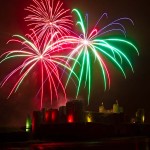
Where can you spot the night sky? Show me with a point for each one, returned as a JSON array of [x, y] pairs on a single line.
[[132, 93]]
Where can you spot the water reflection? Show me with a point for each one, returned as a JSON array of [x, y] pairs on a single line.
[[136, 143]]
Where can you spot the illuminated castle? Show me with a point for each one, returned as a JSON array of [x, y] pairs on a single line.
[[74, 112]]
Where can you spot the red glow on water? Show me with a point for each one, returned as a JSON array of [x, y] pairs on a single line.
[[70, 118]]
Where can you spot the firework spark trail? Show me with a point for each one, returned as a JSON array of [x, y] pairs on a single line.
[[49, 17], [92, 43], [34, 53], [52, 34]]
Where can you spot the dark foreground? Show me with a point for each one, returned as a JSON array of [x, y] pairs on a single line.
[[77, 136], [124, 143]]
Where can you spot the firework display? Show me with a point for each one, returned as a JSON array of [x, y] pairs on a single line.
[[48, 56], [49, 16], [93, 43], [57, 49]]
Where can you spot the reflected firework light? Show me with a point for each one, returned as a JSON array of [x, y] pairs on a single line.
[[37, 120], [70, 118], [75, 111], [51, 116]]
